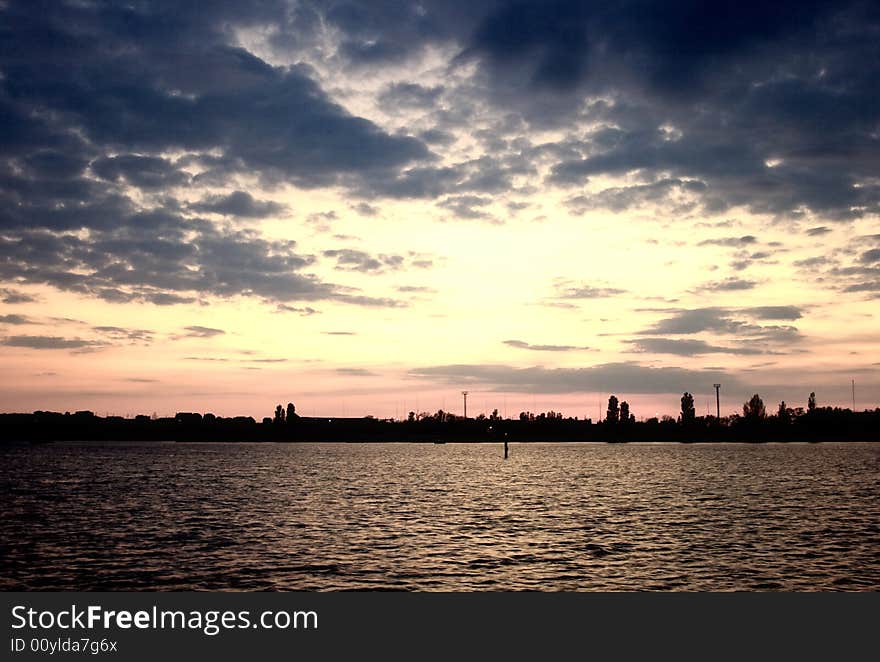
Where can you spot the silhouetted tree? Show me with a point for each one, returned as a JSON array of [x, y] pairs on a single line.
[[688, 413], [784, 413], [624, 412], [279, 414], [613, 413], [754, 409], [411, 417], [811, 402], [494, 416], [291, 412]]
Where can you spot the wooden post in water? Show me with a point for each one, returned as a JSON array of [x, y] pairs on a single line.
[[506, 449]]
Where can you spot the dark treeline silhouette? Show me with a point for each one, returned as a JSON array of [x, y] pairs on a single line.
[[754, 425]]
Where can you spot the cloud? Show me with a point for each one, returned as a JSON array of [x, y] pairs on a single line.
[[9, 296], [301, 310], [871, 256], [568, 290], [201, 332], [145, 172], [624, 377], [165, 259], [774, 312], [736, 242], [519, 344], [159, 81], [348, 259], [622, 198], [771, 107], [688, 347], [729, 321], [118, 333], [863, 287], [818, 231], [467, 207], [727, 285], [364, 209], [239, 203], [415, 289], [356, 372], [409, 95], [339, 333], [50, 342], [98, 102], [16, 319]]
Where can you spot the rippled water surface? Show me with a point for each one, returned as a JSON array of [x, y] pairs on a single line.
[[440, 517]]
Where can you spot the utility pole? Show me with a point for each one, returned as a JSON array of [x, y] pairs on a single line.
[[717, 401], [854, 394], [464, 395]]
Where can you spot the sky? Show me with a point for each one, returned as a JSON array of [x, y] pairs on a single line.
[[369, 207]]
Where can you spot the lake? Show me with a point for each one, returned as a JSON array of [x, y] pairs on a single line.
[[448, 517]]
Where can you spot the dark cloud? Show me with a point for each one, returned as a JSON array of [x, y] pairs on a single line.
[[735, 242], [93, 99], [145, 172], [118, 333], [50, 342], [606, 378], [863, 287], [239, 203], [871, 256], [688, 347], [728, 285], [697, 106], [622, 198], [771, 106], [520, 344], [354, 260], [731, 321], [409, 95], [300, 310], [166, 259], [364, 209], [201, 332], [339, 333], [14, 296], [156, 80], [437, 137], [774, 312], [468, 207], [16, 319], [818, 231]]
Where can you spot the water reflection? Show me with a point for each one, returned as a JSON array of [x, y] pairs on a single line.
[[441, 517]]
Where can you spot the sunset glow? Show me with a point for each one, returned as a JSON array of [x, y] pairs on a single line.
[[226, 209]]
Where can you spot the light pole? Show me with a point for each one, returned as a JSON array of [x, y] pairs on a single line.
[[464, 395], [717, 401]]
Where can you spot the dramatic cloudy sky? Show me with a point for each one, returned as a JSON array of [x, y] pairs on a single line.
[[366, 207]]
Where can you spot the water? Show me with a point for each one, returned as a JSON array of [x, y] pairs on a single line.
[[440, 517]]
